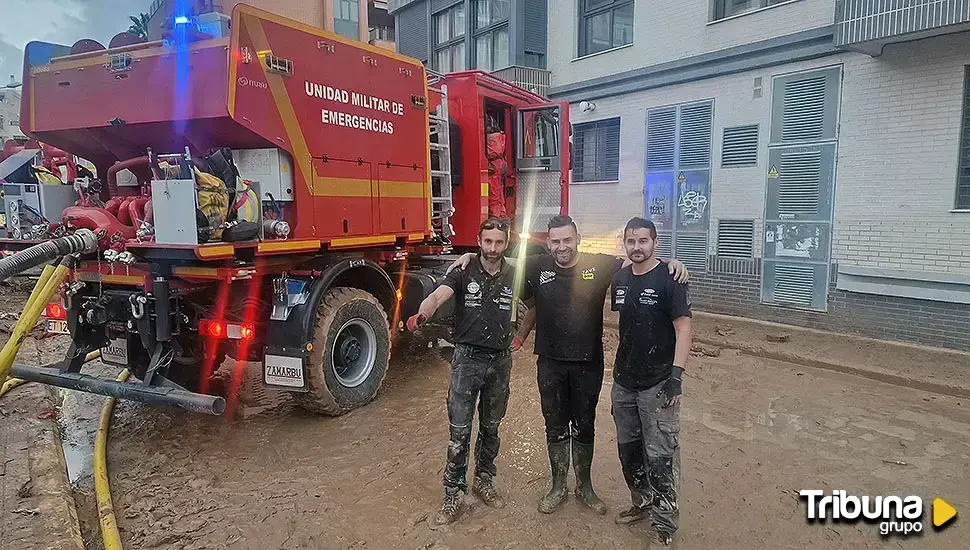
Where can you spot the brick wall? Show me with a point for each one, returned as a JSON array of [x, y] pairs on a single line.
[[898, 158], [667, 31]]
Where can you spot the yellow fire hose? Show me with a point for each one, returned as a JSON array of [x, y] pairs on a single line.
[[50, 280], [102, 491]]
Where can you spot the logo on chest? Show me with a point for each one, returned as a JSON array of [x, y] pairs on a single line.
[[473, 287], [648, 297], [546, 277], [589, 273]]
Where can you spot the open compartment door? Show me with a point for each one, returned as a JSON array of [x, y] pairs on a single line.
[[542, 164]]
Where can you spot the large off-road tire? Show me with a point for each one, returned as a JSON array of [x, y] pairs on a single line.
[[351, 351]]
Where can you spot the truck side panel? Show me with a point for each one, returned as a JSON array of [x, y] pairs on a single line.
[[353, 117]]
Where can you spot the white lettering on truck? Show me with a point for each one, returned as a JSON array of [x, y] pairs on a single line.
[[357, 99]]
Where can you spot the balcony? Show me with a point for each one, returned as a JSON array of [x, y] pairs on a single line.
[[528, 78], [869, 25], [382, 37]]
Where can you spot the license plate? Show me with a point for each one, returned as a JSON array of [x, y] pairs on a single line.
[[57, 326], [279, 370], [116, 352]]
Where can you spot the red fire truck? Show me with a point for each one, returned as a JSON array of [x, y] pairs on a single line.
[[280, 195]]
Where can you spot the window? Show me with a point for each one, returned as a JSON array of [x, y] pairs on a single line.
[[490, 12], [492, 50], [449, 38], [730, 8], [596, 151], [346, 18], [740, 146], [963, 179], [491, 34], [604, 24]]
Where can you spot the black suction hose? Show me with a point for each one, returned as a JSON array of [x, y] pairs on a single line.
[[81, 242]]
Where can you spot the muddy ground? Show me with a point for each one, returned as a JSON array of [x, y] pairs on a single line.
[[755, 432]]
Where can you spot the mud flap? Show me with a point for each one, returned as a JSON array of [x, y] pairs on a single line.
[[285, 369]]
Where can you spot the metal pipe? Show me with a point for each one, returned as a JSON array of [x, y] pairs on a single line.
[[155, 396], [112, 175]]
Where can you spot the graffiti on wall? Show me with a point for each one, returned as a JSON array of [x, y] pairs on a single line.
[[692, 206]]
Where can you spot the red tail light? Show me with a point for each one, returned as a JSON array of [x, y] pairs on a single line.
[[221, 329], [55, 311]]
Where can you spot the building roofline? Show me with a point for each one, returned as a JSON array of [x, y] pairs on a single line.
[[800, 46]]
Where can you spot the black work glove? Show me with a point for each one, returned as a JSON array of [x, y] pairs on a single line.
[[673, 387]]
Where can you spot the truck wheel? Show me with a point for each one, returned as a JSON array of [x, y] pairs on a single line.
[[351, 350]]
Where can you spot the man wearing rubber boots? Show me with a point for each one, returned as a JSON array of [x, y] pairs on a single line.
[[481, 365], [655, 339], [566, 292]]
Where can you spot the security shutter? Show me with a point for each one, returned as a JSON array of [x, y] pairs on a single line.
[[794, 284], [740, 146], [678, 179], [695, 137], [735, 238], [692, 250], [661, 139], [665, 247], [804, 114], [412, 31], [799, 178], [535, 26], [799, 209]]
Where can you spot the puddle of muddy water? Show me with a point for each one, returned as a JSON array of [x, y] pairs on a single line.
[[79, 416]]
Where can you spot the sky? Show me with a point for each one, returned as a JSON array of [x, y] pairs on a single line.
[[58, 21]]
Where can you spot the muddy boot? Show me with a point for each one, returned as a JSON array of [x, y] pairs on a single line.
[[450, 507], [582, 462], [484, 488], [631, 515], [559, 463], [666, 538]]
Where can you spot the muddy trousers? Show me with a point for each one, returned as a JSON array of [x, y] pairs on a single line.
[[476, 375], [647, 440], [569, 392]]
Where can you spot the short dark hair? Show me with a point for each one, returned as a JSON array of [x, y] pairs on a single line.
[[641, 223], [561, 220], [501, 224]]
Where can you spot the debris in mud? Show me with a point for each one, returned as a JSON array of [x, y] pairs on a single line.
[[724, 330], [26, 489], [27, 511], [698, 350], [896, 462], [777, 338], [49, 413]]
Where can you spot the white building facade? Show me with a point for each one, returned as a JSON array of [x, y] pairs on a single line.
[[808, 159], [9, 115]]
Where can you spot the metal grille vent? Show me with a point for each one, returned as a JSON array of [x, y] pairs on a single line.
[[661, 136], [695, 136], [804, 116], [665, 249], [798, 183], [794, 284], [740, 146], [692, 250], [735, 238]]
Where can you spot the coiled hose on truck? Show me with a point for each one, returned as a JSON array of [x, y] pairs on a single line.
[[81, 242]]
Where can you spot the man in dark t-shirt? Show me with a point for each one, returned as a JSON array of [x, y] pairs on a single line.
[[481, 365], [655, 339], [565, 292]]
